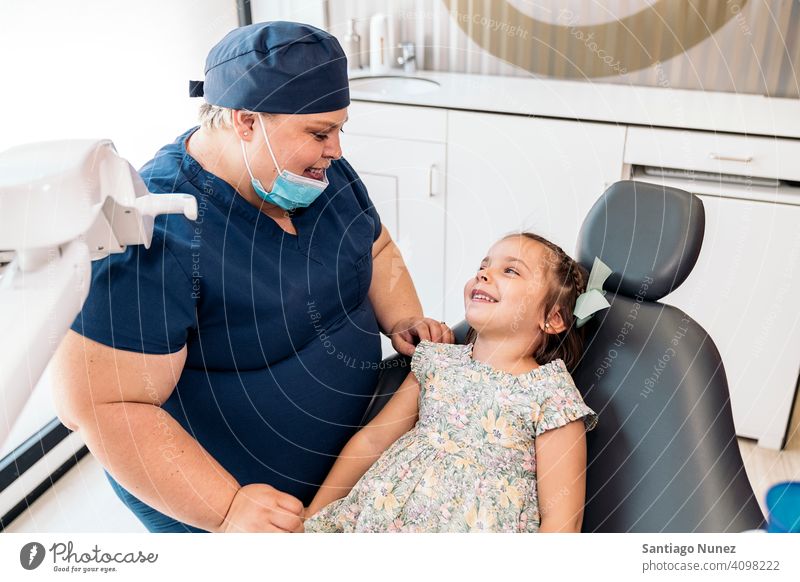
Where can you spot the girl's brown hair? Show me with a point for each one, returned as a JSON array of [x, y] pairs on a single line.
[[567, 279]]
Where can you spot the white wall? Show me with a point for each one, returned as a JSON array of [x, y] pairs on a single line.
[[756, 51], [116, 69], [308, 11]]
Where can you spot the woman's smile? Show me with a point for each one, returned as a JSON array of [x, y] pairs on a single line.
[[314, 173]]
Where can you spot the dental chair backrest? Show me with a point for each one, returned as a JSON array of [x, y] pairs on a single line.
[[664, 456]]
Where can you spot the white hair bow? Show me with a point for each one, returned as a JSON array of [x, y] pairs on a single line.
[[591, 301]]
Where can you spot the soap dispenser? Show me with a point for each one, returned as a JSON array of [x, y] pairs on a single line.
[[352, 46], [379, 48]]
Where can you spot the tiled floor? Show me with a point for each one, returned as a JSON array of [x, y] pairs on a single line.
[[82, 501]]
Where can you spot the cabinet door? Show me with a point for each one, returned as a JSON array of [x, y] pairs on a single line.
[[507, 173], [405, 180], [743, 291]]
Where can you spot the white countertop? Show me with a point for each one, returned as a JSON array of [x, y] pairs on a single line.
[[589, 101]]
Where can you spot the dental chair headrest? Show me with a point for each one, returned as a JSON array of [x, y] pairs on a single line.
[[649, 235]]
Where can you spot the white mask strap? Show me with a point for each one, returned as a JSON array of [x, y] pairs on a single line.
[[269, 147], [247, 165]]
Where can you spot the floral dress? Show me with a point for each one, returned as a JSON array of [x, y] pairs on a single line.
[[469, 462]]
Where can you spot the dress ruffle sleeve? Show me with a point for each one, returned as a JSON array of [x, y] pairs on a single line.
[[422, 360], [562, 403]]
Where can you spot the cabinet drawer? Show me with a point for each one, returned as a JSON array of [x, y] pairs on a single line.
[[760, 157], [397, 121]]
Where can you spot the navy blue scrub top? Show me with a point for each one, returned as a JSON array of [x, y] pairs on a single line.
[[282, 341]]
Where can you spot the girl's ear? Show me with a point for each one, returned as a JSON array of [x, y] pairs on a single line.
[[555, 323]]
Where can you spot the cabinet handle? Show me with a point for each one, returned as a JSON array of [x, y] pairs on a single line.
[[432, 180], [721, 158]]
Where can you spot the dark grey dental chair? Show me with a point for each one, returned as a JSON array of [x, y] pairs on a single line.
[[664, 456]]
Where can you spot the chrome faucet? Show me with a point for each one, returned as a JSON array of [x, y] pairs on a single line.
[[408, 58]]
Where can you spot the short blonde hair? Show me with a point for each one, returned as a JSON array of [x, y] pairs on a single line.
[[215, 117]]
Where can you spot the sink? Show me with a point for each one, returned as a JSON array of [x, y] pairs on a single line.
[[393, 85]]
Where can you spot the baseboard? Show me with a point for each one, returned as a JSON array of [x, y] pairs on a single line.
[[34, 466]]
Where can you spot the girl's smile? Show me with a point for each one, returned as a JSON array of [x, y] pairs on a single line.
[[508, 286], [481, 296]]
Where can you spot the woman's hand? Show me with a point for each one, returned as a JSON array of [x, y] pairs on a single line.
[[261, 508], [406, 330], [304, 515], [308, 513]]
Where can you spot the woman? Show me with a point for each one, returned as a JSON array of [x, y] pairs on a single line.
[[217, 374]]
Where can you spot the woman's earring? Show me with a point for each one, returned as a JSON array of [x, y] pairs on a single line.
[[245, 133]]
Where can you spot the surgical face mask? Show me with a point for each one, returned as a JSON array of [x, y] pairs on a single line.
[[290, 191]]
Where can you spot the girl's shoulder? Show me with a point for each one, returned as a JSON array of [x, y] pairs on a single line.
[[429, 356], [553, 371], [558, 399], [550, 376], [430, 347]]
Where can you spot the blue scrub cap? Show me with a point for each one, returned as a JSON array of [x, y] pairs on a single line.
[[276, 67]]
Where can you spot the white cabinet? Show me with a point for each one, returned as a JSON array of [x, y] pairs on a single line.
[[743, 291], [508, 173], [405, 180], [450, 183], [743, 288]]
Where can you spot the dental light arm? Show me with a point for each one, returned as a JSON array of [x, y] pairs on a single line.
[[62, 205]]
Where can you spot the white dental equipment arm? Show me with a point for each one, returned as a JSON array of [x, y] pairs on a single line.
[[62, 205]]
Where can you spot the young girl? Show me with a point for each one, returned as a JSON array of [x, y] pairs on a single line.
[[488, 436]]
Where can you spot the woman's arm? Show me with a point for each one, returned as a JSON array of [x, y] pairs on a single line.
[[363, 449], [113, 399], [561, 477], [395, 299]]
